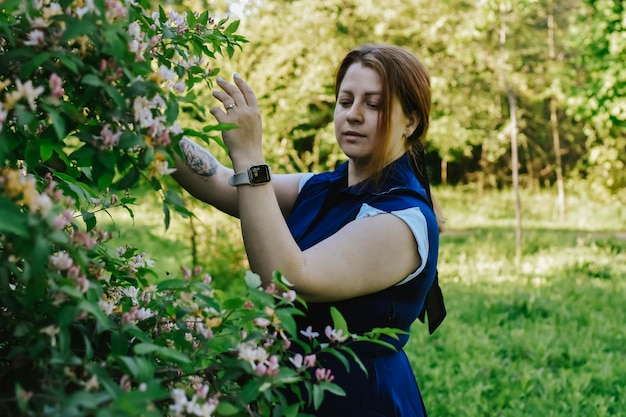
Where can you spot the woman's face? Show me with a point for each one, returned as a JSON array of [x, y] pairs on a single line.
[[357, 114]]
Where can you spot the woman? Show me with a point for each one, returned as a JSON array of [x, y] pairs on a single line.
[[363, 238]]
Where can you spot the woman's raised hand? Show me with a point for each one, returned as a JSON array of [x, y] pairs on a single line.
[[240, 108]]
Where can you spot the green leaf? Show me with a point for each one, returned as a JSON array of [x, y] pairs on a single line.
[[339, 323], [166, 215], [76, 28], [40, 254], [12, 219], [332, 387], [46, 148], [251, 390], [318, 396], [130, 140], [252, 280], [58, 123], [89, 218], [119, 343], [116, 96], [226, 409], [139, 367], [95, 311], [22, 398], [171, 113], [128, 180], [162, 352], [93, 80], [232, 28], [173, 198], [172, 284], [287, 321], [31, 65], [220, 127]]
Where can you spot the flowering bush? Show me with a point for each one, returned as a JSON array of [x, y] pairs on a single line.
[[90, 95]]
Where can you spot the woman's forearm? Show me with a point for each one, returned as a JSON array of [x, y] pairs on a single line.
[[205, 178]]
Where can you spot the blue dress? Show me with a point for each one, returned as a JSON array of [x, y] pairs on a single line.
[[324, 205]]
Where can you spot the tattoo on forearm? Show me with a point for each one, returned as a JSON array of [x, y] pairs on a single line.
[[199, 160]]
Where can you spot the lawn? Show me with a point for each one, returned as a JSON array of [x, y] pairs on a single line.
[[544, 336]]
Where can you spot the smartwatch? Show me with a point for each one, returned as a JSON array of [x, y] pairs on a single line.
[[255, 175]]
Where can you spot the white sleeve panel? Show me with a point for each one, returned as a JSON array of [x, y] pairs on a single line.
[[416, 221]]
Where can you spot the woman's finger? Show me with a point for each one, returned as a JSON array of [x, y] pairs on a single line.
[[246, 91], [231, 91], [225, 99]]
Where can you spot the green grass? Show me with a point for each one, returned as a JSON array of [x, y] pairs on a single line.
[[544, 336]]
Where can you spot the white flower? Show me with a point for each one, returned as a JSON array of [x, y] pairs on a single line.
[[106, 306], [89, 7], [144, 313], [308, 332], [261, 322], [36, 37], [132, 292], [61, 261], [92, 384], [252, 354], [297, 360], [335, 335], [43, 204], [290, 295], [51, 331], [180, 401], [29, 92], [134, 30]]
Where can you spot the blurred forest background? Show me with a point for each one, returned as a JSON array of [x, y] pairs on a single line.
[[550, 72]]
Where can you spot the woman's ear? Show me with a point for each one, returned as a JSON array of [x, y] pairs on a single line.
[[412, 124]]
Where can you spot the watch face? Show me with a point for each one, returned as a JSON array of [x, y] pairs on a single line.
[[259, 174]]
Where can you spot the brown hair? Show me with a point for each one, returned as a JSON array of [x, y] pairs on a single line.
[[403, 76]]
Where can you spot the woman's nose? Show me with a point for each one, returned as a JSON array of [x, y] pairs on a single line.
[[354, 114]]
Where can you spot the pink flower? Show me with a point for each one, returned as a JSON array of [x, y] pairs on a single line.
[[3, 114], [323, 375], [186, 272], [273, 366], [56, 85], [271, 288], [261, 369], [73, 272], [310, 360], [109, 138], [82, 283], [83, 239]]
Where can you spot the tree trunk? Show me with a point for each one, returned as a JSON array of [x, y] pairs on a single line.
[[444, 171], [554, 121], [514, 150]]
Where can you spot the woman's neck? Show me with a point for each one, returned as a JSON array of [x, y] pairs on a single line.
[[357, 169]]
